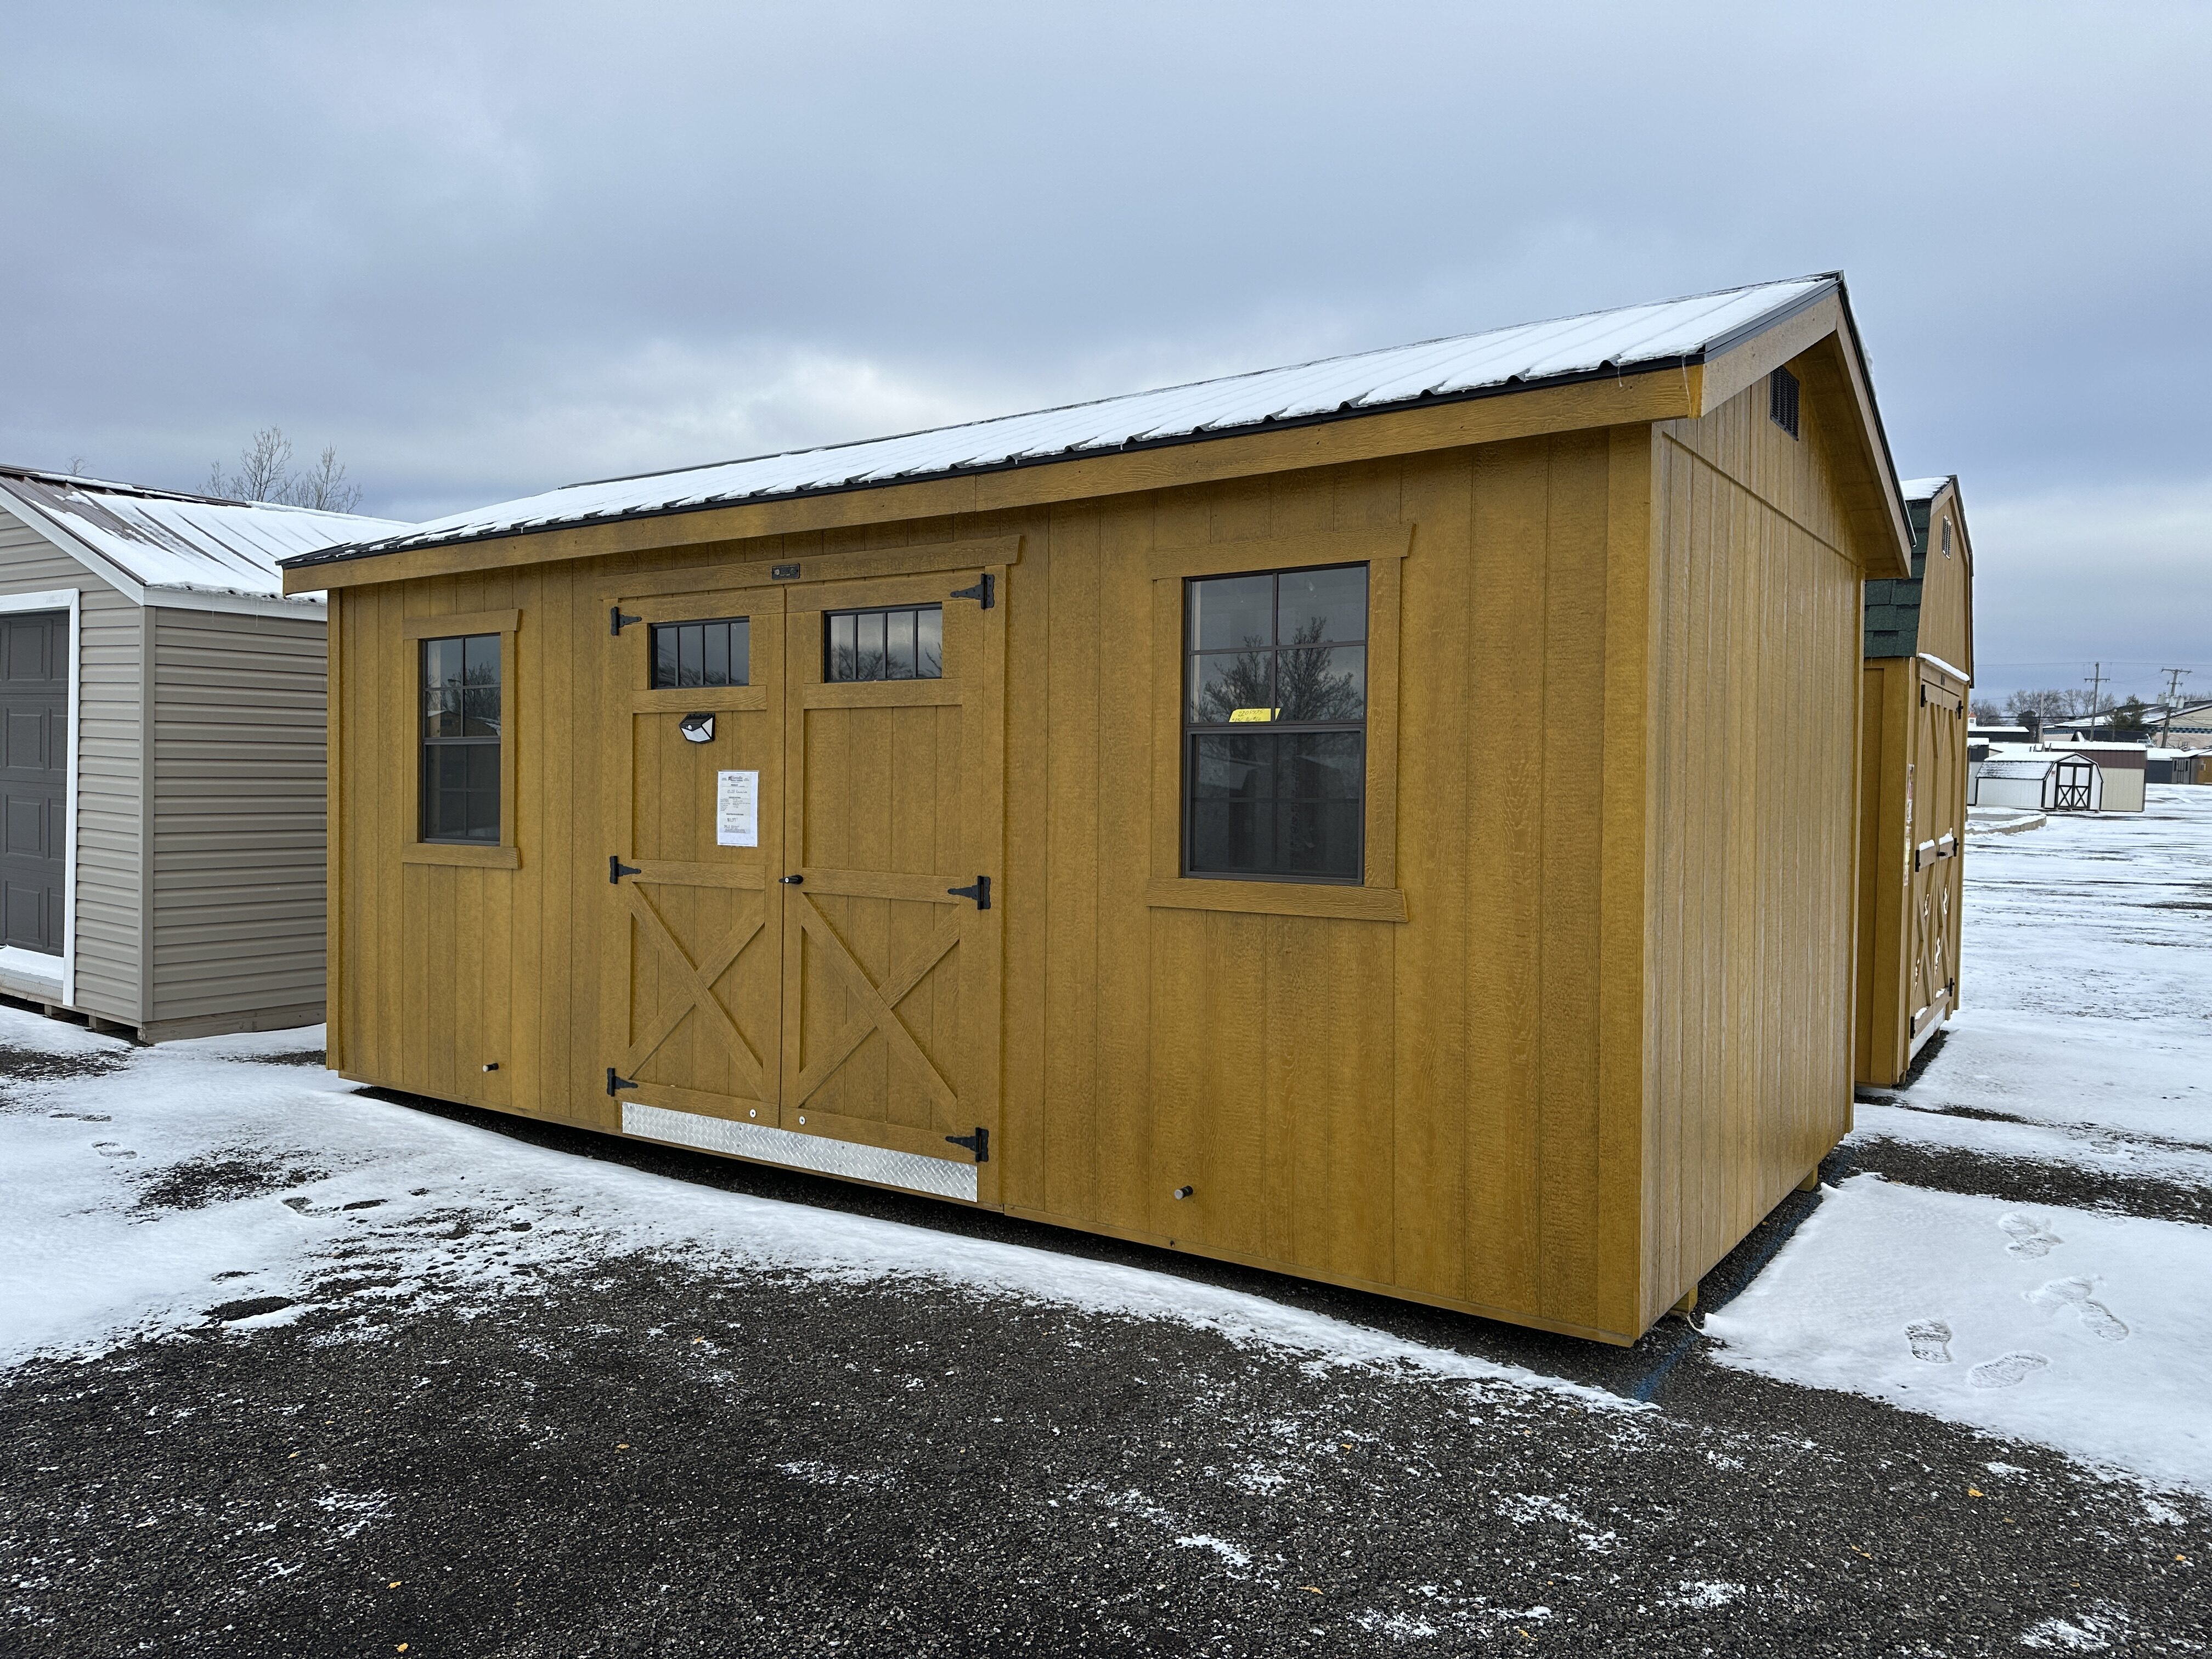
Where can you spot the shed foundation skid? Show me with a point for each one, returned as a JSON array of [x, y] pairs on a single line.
[[1572, 1015]]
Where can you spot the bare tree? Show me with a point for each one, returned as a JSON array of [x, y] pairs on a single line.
[[264, 474]]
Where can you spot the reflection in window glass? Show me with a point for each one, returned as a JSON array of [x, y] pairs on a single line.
[[462, 720], [714, 652], [1275, 710], [902, 642]]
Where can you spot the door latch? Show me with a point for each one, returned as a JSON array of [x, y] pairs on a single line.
[[616, 622], [979, 1143], [792, 881], [981, 591], [616, 869], [980, 892]]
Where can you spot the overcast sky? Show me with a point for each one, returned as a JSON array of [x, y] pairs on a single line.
[[484, 249]]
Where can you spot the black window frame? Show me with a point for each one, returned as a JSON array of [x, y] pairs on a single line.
[[1192, 731], [831, 618], [675, 626], [428, 746]]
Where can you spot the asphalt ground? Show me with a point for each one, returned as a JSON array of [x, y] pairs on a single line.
[[638, 1459]]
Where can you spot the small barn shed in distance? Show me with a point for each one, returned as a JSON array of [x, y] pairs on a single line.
[[1913, 786], [162, 708], [1090, 814]]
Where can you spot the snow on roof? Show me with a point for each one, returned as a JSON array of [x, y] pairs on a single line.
[[1632, 338], [168, 539], [1924, 489]]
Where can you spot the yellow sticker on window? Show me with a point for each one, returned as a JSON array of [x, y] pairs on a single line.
[[1245, 716]]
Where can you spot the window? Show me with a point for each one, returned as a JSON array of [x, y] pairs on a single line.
[[711, 653], [1782, 400], [1275, 724], [461, 721], [905, 642]]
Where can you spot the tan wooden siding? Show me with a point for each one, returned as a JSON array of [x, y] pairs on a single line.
[[1946, 627], [237, 905], [1881, 1019], [1753, 734], [108, 905]]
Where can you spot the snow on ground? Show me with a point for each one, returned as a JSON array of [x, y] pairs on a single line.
[[200, 1176], [2087, 1042], [2082, 1331]]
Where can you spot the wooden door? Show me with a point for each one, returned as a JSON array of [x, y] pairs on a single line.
[[893, 834], [698, 913], [1937, 838], [35, 718]]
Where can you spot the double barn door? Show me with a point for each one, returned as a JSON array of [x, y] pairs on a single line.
[[801, 872]]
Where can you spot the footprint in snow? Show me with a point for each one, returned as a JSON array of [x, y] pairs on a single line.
[[112, 1149], [2005, 1370], [2102, 1320], [1930, 1340], [2029, 1236]]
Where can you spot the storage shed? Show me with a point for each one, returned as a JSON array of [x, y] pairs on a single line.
[[2125, 766], [1913, 787], [1087, 814], [2044, 781], [161, 712]]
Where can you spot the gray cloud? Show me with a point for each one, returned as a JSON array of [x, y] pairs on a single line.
[[487, 249]]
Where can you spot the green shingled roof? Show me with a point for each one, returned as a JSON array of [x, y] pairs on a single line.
[[1892, 607]]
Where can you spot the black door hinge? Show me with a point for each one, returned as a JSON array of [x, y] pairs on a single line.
[[616, 622], [979, 1143], [616, 869], [616, 1081], [982, 591], [980, 892]]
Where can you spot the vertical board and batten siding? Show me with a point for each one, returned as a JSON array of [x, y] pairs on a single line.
[[1754, 725], [108, 918], [1624, 973], [238, 801]]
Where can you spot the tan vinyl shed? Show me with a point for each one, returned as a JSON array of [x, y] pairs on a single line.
[[161, 782], [1097, 816]]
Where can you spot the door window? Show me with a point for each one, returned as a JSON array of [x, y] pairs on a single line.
[[902, 642]]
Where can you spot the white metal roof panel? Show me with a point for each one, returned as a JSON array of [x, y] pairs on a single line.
[[1629, 339], [192, 543]]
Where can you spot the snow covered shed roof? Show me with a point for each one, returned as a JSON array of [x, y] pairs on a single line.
[[174, 543], [1665, 335], [1922, 491]]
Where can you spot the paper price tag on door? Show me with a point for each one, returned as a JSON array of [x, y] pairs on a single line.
[[737, 809]]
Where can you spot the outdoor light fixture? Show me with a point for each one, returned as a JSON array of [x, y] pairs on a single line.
[[698, 729]]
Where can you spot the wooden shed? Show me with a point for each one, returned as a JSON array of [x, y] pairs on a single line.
[[1913, 787], [161, 780], [1087, 814]]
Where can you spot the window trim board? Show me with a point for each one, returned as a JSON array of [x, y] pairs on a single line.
[[482, 855], [1383, 549]]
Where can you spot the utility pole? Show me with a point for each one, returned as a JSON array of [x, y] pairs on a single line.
[[2173, 679], [2095, 681]]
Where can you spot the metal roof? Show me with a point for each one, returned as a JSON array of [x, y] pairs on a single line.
[[1631, 339], [176, 542]]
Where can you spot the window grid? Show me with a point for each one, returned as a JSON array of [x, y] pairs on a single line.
[[462, 723], [1274, 720], [898, 642], [713, 651]]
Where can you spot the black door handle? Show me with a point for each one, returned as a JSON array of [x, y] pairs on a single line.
[[791, 881]]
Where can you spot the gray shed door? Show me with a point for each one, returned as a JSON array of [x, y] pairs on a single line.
[[33, 777]]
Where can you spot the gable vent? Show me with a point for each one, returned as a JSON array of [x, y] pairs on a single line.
[[1947, 538], [1782, 400]]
